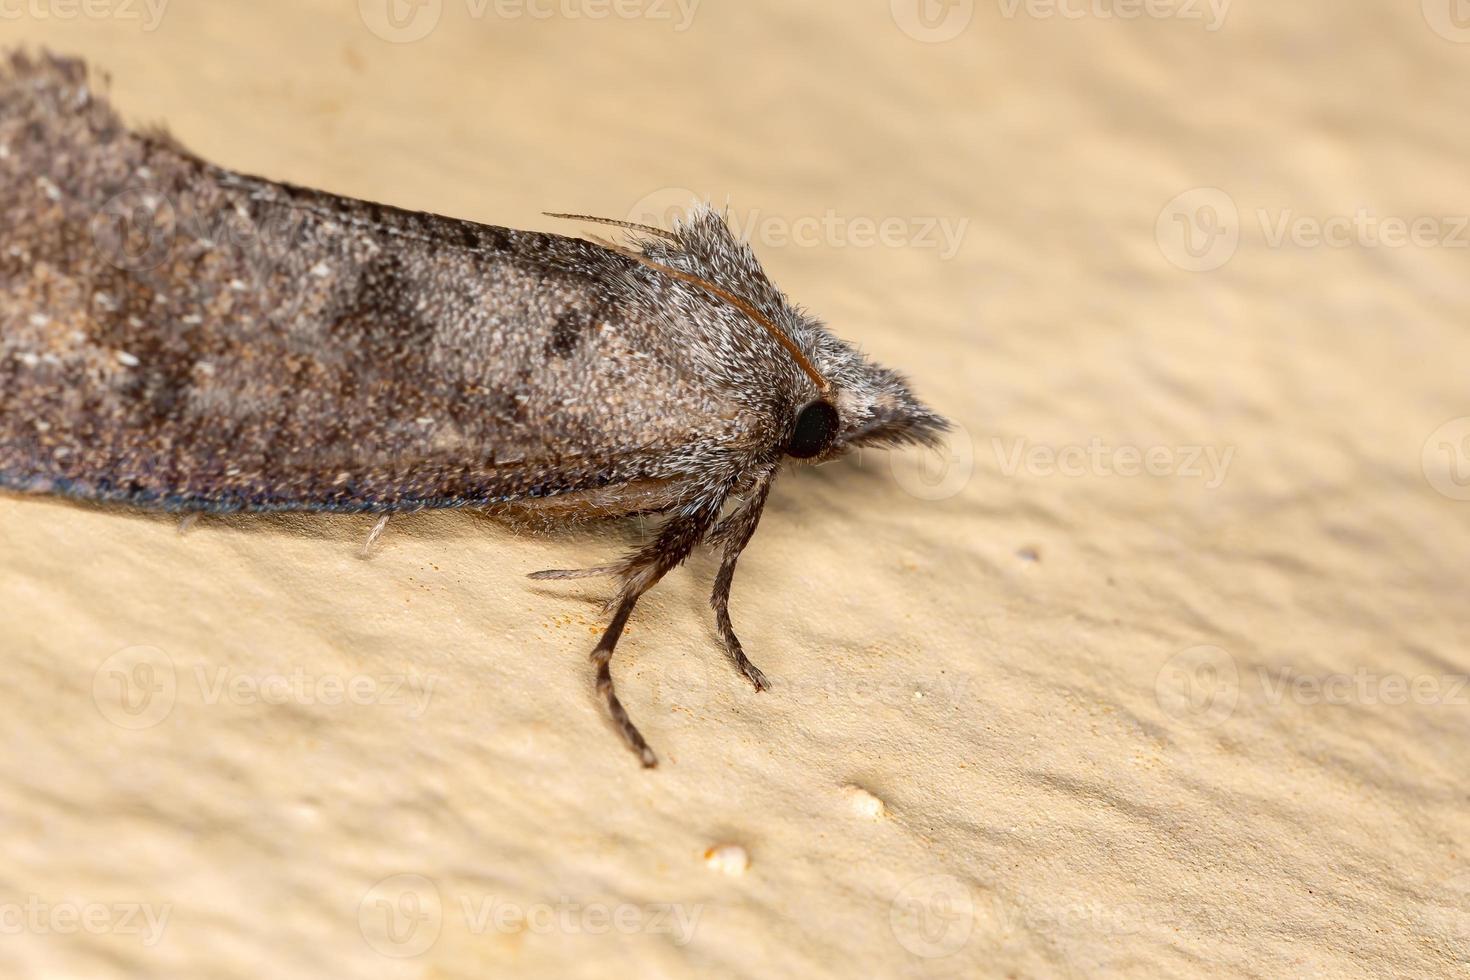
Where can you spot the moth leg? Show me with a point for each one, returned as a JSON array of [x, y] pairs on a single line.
[[640, 573], [374, 535], [593, 572], [735, 532], [601, 659]]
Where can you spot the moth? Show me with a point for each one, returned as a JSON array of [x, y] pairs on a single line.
[[178, 336]]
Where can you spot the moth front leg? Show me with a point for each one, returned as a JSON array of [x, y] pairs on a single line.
[[676, 538], [735, 532]]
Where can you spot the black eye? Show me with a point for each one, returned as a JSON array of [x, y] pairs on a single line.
[[816, 427]]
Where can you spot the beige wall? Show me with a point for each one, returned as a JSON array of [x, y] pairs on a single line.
[[1091, 703]]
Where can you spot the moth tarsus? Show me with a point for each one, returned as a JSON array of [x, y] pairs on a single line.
[[179, 336], [734, 534], [602, 661]]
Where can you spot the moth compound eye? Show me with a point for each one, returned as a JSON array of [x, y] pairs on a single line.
[[816, 427]]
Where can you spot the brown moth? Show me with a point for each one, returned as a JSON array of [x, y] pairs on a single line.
[[178, 336]]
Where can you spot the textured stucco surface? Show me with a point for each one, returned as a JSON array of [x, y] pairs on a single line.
[[1206, 721]]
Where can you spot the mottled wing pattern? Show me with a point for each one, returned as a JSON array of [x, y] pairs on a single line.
[[176, 335]]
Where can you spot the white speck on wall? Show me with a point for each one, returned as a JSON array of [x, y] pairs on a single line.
[[864, 803], [729, 859]]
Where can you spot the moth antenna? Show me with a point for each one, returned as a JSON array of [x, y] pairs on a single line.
[[741, 304], [630, 225]]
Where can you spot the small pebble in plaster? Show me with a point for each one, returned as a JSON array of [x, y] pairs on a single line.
[[729, 859], [865, 804]]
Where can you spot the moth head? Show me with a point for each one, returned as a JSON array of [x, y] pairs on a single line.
[[851, 402], [854, 402], [873, 406]]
